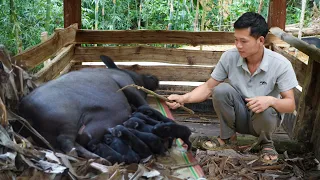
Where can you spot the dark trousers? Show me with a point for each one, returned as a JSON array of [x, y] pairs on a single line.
[[235, 116]]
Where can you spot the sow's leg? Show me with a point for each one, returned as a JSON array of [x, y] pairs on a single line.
[[66, 139]]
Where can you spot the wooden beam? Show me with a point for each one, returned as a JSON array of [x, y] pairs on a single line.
[[299, 67], [166, 73], [156, 36], [55, 66], [43, 51], [72, 12], [277, 13], [309, 103], [145, 53], [306, 48]]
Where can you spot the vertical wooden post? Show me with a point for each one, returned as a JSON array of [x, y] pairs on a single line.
[[277, 14], [44, 37], [315, 138], [72, 12], [305, 129]]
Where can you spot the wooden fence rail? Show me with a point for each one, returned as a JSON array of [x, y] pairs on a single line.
[[145, 53], [45, 50], [157, 37]]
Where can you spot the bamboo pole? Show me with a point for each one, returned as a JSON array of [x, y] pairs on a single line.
[[303, 8], [260, 6], [48, 15], [195, 24], [140, 11], [96, 14], [202, 20]]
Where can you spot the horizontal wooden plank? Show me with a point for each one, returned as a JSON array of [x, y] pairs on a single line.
[[165, 89], [55, 66], [45, 50], [156, 36], [299, 67], [166, 73], [145, 53]]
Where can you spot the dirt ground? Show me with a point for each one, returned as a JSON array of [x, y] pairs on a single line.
[[208, 125]]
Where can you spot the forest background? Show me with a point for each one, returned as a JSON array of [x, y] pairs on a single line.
[[23, 21]]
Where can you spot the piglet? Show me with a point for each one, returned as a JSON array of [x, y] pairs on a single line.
[[145, 118], [136, 144], [118, 145], [173, 130], [154, 142], [103, 150], [138, 124]]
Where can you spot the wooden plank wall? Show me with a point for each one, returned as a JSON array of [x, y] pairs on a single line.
[[45, 50], [55, 66]]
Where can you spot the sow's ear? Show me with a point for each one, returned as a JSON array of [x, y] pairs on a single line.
[[108, 62], [150, 82]]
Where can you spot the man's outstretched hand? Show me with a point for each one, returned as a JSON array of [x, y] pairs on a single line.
[[178, 101], [260, 103]]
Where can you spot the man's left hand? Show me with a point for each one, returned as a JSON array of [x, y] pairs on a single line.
[[260, 103]]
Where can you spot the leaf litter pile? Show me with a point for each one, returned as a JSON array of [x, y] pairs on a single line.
[[229, 164]]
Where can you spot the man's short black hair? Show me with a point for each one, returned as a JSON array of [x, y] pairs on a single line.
[[257, 24]]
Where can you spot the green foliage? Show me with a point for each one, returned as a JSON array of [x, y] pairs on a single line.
[[23, 23], [294, 12], [29, 22]]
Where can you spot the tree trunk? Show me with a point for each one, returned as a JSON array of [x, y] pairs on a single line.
[[196, 21], [102, 13], [48, 15], [140, 13], [203, 19], [15, 25], [171, 12], [260, 6], [96, 14], [11, 11], [303, 8], [128, 20]]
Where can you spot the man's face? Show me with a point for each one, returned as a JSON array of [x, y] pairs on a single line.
[[246, 44]]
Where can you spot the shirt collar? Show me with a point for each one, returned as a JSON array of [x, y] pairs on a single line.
[[264, 63]]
